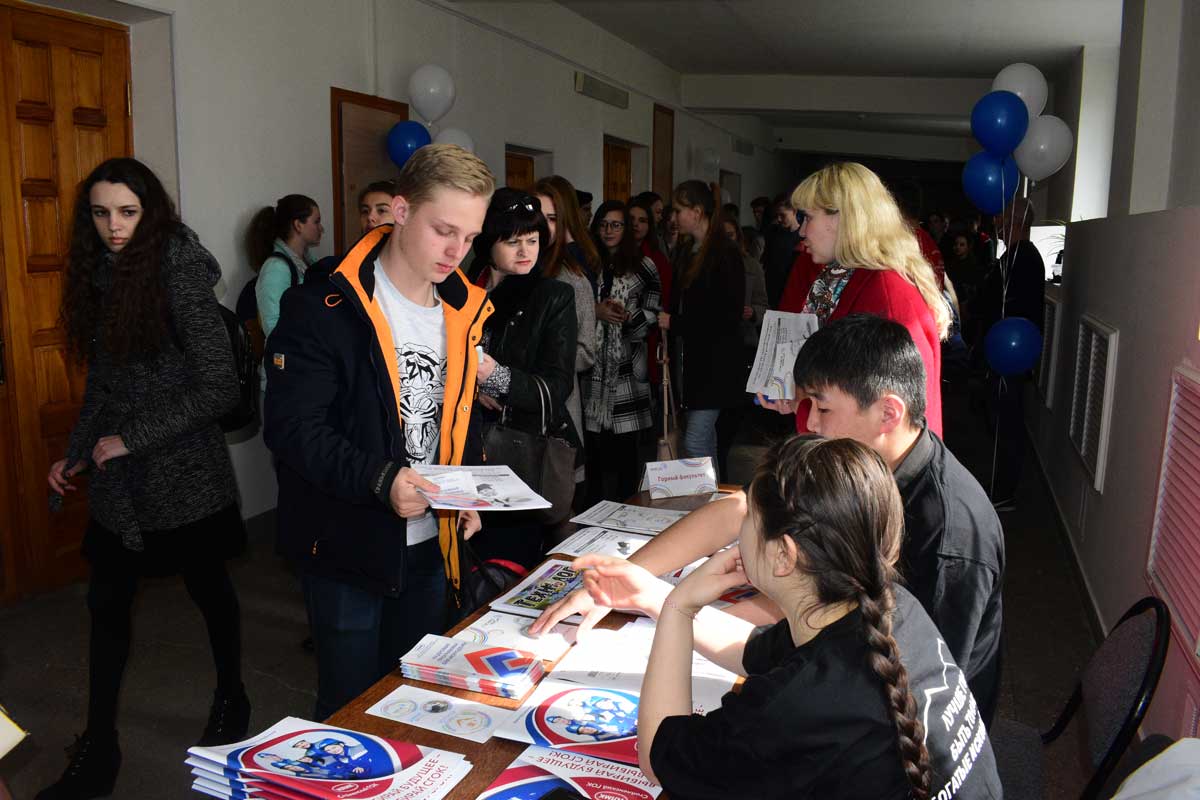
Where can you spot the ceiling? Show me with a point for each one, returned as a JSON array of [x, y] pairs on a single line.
[[918, 38]]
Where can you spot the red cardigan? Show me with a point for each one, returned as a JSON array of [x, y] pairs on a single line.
[[886, 294]]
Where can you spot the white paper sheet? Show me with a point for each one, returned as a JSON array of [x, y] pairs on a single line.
[[509, 630], [782, 336], [601, 541], [622, 517], [549, 583], [496, 488], [443, 713]]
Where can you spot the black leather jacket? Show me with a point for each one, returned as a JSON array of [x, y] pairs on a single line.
[[533, 332]]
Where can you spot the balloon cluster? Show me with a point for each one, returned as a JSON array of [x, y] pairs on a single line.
[[431, 94], [1016, 137]]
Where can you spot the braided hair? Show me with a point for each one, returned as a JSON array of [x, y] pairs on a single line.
[[838, 501]]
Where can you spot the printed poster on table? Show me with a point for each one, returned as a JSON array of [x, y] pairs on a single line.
[[539, 771], [497, 629], [600, 541], [680, 477], [542, 588], [442, 713], [783, 334], [590, 720], [624, 517]]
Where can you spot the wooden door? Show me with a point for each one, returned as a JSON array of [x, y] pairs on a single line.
[[618, 171], [66, 109], [359, 125], [518, 171], [663, 179]]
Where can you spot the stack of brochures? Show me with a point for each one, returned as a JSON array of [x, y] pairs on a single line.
[[295, 758], [500, 671]]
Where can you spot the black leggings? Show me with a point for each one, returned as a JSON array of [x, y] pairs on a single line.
[[110, 601]]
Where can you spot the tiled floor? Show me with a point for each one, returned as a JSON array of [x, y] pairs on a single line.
[[43, 665]]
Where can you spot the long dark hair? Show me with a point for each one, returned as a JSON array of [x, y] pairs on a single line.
[[646, 204], [570, 218], [131, 318], [556, 259], [627, 257], [275, 222], [702, 196], [838, 502]]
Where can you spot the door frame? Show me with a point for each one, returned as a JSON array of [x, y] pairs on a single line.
[[337, 97]]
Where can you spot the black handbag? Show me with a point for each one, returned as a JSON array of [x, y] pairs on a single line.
[[544, 461], [484, 579]]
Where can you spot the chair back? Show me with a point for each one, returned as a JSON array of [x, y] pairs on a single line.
[[1118, 683]]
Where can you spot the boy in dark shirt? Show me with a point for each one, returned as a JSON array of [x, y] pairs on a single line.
[[867, 382]]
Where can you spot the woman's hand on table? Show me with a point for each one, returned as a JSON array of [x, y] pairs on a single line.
[[577, 602], [617, 583]]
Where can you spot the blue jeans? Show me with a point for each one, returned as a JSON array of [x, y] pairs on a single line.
[[360, 635], [700, 433]]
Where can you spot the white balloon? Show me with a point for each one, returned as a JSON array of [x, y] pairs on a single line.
[[1045, 148], [1027, 82], [456, 136], [431, 91]]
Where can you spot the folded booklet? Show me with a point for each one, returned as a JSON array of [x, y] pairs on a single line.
[[538, 771], [500, 671], [296, 759]]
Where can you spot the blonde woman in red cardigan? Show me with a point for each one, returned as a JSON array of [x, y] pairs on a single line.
[[858, 256]]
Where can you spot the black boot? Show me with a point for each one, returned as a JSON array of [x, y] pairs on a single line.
[[91, 773], [228, 719]]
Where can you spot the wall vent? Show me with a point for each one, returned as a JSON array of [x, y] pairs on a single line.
[[1091, 396], [593, 87], [1048, 365], [743, 147], [1174, 558]]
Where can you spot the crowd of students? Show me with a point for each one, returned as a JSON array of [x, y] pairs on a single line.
[[878, 555]]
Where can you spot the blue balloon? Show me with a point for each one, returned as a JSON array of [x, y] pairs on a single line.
[[404, 139], [1013, 346], [999, 121], [990, 181]]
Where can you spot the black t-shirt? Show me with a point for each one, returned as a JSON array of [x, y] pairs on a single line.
[[952, 559], [812, 721]]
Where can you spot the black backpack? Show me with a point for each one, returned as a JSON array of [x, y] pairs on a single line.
[[247, 302], [246, 366]]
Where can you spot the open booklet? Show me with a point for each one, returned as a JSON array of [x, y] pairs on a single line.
[[782, 336], [482, 488]]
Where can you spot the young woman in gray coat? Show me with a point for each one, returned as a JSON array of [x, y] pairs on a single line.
[[139, 310]]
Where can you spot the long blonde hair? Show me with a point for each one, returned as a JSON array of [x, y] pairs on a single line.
[[872, 233]]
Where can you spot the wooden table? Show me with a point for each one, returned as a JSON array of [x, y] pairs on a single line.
[[488, 760]]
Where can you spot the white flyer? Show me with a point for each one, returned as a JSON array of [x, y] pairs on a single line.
[[442, 713], [485, 488], [509, 630], [622, 517], [679, 477], [600, 541], [550, 582], [783, 334]]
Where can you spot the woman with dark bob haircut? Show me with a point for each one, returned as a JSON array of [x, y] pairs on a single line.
[[140, 313], [531, 336]]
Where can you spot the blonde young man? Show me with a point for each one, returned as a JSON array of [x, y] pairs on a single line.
[[368, 375]]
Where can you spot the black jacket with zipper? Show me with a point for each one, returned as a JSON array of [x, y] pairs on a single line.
[[533, 333], [332, 419]]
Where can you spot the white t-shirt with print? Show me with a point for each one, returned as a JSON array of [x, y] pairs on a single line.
[[419, 335]]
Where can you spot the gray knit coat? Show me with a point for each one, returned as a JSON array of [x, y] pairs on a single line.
[[165, 409]]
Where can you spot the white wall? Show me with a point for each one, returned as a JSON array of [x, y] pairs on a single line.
[[764, 173], [882, 95], [1094, 132], [251, 110], [1156, 316], [154, 135], [917, 147]]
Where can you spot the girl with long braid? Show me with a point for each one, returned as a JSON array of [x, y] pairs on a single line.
[[853, 694]]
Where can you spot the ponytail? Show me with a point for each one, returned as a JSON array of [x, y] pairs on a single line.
[[837, 500], [271, 223]]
